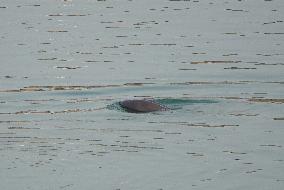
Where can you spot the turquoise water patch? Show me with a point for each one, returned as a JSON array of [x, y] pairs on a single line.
[[178, 103], [183, 101], [115, 106]]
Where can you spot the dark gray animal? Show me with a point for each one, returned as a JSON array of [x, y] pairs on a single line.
[[141, 106]]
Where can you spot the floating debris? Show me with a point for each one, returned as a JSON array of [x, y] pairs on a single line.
[[278, 118], [52, 88], [195, 154], [243, 114], [275, 33], [267, 100], [213, 62], [211, 126], [47, 59], [59, 31], [51, 112], [240, 68], [17, 122], [165, 44], [66, 67], [184, 69]]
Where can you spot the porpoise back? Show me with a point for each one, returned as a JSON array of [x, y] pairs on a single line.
[[141, 106]]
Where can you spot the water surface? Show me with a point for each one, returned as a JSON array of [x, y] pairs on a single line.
[[217, 64]]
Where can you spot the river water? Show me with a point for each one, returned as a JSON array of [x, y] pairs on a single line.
[[217, 64]]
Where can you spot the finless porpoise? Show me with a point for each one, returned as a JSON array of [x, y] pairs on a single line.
[[141, 106]]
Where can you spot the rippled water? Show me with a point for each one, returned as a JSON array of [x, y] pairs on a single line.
[[65, 65]]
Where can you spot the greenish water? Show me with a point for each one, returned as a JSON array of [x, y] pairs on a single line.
[[175, 103]]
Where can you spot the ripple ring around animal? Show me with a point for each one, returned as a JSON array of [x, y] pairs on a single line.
[[141, 106]]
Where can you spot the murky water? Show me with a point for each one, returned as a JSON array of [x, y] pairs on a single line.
[[218, 66]]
